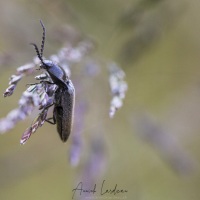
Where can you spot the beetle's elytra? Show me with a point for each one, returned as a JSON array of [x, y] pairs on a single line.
[[64, 94], [63, 111]]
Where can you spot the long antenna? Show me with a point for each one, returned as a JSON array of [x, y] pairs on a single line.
[[38, 53], [43, 38]]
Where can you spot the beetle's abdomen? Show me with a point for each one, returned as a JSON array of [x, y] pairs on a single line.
[[64, 110]]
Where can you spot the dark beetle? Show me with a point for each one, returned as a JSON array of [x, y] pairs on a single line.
[[64, 94]]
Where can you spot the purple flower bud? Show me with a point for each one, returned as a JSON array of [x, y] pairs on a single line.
[[5, 125], [13, 116], [41, 77], [9, 91], [14, 79], [26, 135], [26, 69], [43, 116], [35, 124]]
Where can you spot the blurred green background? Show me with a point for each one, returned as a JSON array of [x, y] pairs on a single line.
[[151, 147]]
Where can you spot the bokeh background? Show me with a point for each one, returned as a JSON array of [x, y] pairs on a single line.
[[151, 146]]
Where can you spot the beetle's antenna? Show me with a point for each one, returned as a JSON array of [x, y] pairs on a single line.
[[38, 53], [43, 38]]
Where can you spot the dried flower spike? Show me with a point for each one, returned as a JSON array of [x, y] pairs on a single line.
[[118, 88]]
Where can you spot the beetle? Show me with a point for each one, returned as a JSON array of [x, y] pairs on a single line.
[[64, 95]]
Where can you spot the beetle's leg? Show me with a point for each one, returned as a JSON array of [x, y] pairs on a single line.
[[48, 105], [29, 84], [51, 122], [52, 118], [47, 82]]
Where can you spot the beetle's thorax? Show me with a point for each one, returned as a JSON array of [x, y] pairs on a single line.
[[57, 74]]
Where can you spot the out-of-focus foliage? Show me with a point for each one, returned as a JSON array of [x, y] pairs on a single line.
[[151, 146]]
